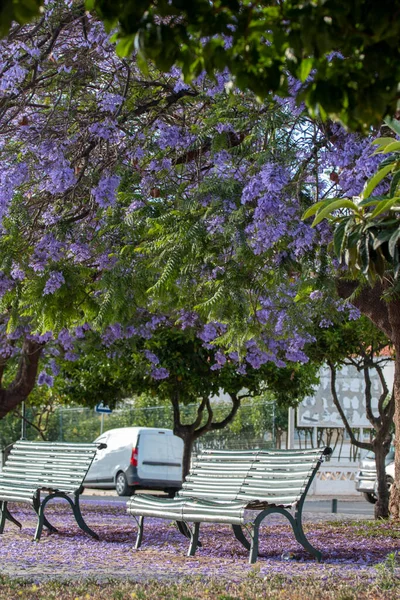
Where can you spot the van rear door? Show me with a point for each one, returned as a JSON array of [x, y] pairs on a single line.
[[175, 456], [159, 457]]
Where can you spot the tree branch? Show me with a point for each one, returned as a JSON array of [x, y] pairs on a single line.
[[368, 301], [368, 399], [353, 439]]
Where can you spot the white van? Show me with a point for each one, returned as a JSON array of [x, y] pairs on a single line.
[[137, 458]]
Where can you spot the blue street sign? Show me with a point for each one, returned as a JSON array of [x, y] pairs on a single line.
[[101, 408]]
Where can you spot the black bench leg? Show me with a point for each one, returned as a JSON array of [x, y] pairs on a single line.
[[3, 507], [185, 531], [6, 515], [79, 519], [76, 510], [194, 539], [301, 538], [297, 530], [36, 507], [139, 536], [239, 535]]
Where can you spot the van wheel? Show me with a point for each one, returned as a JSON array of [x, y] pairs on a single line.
[[371, 498], [122, 487]]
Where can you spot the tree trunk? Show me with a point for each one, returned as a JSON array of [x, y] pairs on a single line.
[[394, 316], [382, 504], [187, 455], [386, 316], [186, 434], [25, 379]]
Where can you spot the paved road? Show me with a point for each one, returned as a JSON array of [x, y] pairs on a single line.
[[349, 506]]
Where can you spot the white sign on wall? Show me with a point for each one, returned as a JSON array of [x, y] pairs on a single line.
[[318, 410]]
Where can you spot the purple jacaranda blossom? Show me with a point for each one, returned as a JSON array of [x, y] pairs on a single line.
[[7, 350], [155, 321], [79, 331], [135, 205], [325, 323], [270, 181], [6, 284], [303, 239], [209, 332], [42, 338], [220, 360], [16, 334], [152, 357], [54, 282], [257, 357], [65, 339], [109, 102], [112, 333], [59, 175], [221, 80], [10, 179], [106, 130], [160, 373], [50, 217], [45, 379], [168, 136], [316, 295], [215, 224], [105, 192], [48, 249], [55, 369], [188, 318], [11, 78], [79, 252], [130, 331], [172, 136], [353, 313], [105, 262]]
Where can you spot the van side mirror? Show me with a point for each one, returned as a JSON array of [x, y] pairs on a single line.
[[101, 446]]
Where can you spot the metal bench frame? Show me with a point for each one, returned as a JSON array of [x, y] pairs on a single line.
[[186, 503], [41, 460]]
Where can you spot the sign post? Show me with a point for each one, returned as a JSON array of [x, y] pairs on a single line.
[[102, 409]]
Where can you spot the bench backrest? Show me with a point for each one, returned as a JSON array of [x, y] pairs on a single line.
[[275, 476], [55, 466]]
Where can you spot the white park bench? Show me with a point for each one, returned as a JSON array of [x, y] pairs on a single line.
[[222, 485], [56, 469]]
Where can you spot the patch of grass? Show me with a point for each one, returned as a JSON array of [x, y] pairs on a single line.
[[387, 571], [278, 587], [372, 529]]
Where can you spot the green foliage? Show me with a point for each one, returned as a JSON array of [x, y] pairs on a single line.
[[268, 43], [366, 229], [347, 339], [21, 11], [123, 371]]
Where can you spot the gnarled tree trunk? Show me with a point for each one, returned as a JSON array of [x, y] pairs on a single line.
[[385, 314], [24, 380]]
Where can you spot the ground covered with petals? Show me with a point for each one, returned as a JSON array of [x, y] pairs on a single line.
[[360, 559]]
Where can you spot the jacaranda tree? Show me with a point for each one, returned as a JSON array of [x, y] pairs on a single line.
[[95, 158]]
